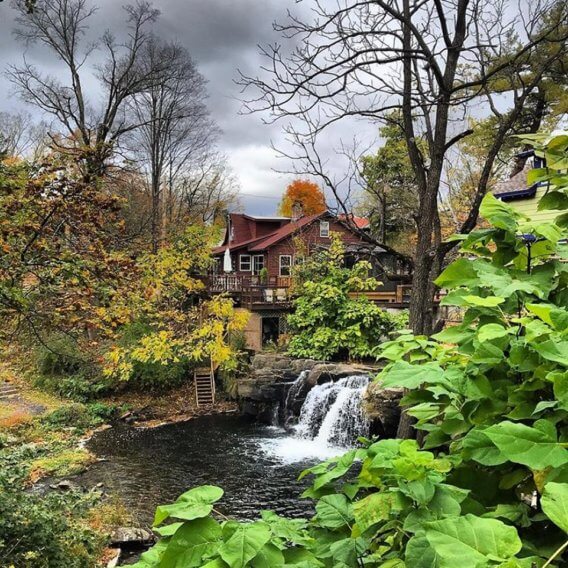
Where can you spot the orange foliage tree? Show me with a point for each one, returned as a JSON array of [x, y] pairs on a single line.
[[306, 193]]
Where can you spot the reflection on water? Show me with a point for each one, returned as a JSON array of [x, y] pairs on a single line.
[[256, 465]]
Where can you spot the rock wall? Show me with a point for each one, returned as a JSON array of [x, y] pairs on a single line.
[[265, 391]]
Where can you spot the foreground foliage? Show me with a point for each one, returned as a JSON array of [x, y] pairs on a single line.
[[489, 488], [329, 319]]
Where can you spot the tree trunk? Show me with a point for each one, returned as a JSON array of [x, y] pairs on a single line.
[[155, 220]]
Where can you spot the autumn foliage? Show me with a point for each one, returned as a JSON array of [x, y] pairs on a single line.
[[306, 193]]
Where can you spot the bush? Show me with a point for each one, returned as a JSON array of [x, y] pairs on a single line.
[[150, 375], [66, 370], [489, 487], [328, 322], [80, 416], [45, 531]]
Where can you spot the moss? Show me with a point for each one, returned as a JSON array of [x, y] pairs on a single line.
[[61, 464]]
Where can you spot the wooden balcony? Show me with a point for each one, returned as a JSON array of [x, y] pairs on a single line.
[[250, 292]]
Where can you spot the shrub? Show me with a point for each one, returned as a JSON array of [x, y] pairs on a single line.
[[328, 322], [45, 531], [67, 370]]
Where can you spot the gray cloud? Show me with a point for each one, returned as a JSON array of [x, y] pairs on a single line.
[[222, 37]]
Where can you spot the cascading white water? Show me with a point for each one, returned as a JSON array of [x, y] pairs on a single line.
[[331, 419], [332, 413]]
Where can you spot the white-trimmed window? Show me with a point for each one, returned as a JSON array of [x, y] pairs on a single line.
[[285, 265], [245, 263], [257, 263], [324, 228]]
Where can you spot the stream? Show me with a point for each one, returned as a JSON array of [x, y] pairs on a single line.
[[256, 465]]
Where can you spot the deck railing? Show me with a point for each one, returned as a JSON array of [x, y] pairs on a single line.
[[276, 290]]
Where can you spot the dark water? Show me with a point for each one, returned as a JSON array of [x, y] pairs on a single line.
[[151, 467]]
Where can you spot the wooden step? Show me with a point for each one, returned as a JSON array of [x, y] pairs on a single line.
[[204, 384]]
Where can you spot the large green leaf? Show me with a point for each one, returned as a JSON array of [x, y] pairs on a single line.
[[554, 503], [191, 543], [556, 351], [269, 556], [535, 447], [193, 504], [244, 544], [151, 558], [499, 214], [471, 541], [491, 331], [403, 374], [479, 447], [348, 550], [458, 273], [375, 508], [420, 554], [334, 511]]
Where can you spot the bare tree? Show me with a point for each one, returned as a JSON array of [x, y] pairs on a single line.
[[91, 132], [429, 61], [176, 132], [20, 135]]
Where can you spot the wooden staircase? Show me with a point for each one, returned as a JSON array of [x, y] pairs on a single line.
[[204, 382]]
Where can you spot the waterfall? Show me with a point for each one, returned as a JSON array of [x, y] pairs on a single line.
[[332, 413], [331, 419], [294, 390]]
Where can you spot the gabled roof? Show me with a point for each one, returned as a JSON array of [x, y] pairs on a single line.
[[286, 231]]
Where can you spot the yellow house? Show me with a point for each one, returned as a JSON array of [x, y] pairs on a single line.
[[525, 198]]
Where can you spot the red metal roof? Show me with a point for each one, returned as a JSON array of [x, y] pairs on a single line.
[[359, 222]]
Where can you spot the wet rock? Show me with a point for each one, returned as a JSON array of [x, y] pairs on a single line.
[[382, 408], [131, 537], [64, 485]]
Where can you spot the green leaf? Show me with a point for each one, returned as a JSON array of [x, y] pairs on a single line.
[[244, 544], [536, 447], [403, 374], [152, 557], [348, 550], [486, 302], [334, 511], [499, 214], [193, 504], [554, 503], [269, 556], [375, 508], [458, 273], [471, 541], [420, 554], [556, 351], [478, 446], [491, 331], [191, 543]]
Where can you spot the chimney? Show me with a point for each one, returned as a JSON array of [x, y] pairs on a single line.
[[297, 211]]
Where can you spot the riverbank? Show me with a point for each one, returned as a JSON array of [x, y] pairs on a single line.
[[43, 453]]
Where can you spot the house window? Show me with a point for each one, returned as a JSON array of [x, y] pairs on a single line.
[[324, 228], [257, 263], [299, 259], [245, 263], [285, 265]]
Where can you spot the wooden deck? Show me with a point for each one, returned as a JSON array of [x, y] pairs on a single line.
[[251, 293]]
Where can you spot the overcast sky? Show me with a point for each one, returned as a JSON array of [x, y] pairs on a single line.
[[222, 37]]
